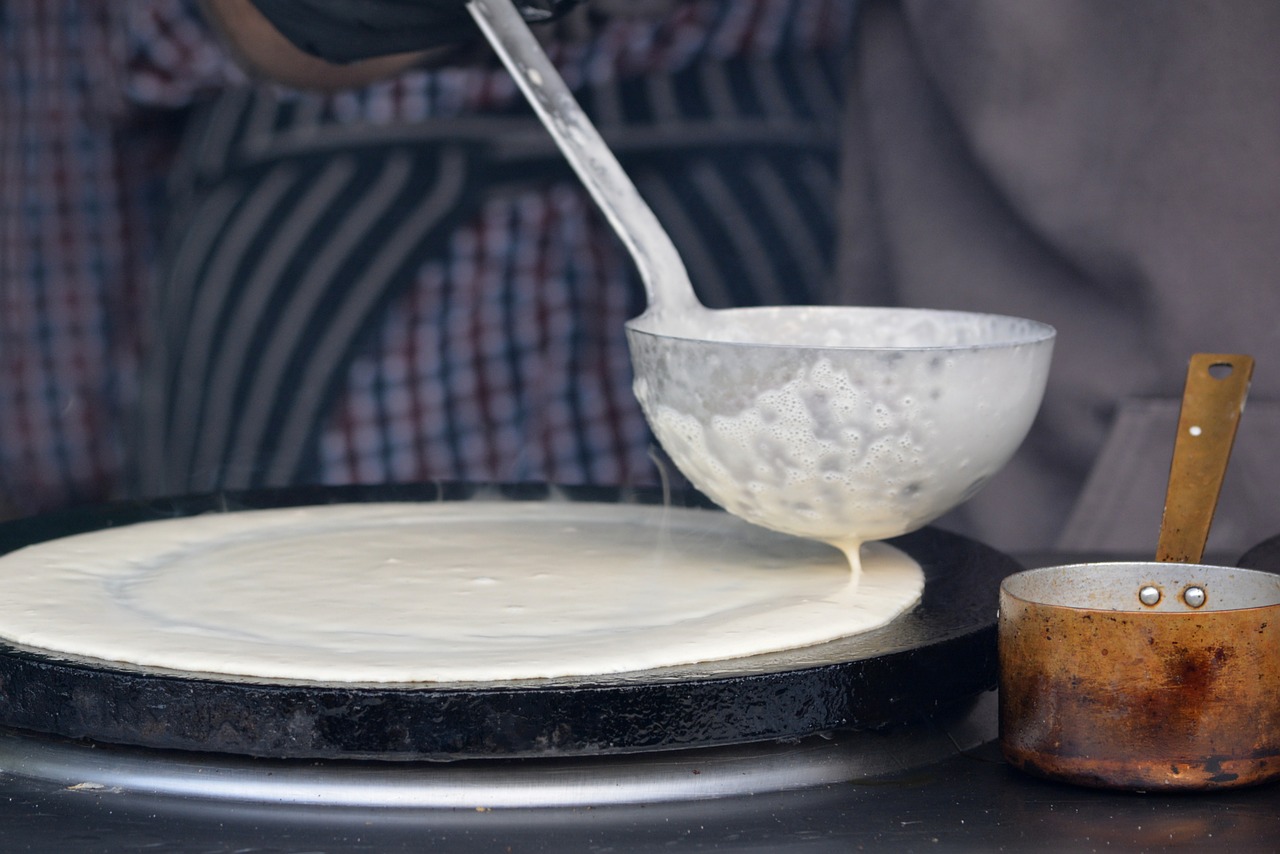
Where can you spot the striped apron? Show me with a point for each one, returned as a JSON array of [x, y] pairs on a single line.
[[350, 292]]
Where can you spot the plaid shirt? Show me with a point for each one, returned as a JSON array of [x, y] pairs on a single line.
[[82, 158], [84, 147]]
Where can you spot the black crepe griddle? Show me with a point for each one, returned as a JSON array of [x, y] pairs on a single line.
[[937, 656]]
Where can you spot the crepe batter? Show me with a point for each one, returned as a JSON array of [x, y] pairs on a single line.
[[481, 591]]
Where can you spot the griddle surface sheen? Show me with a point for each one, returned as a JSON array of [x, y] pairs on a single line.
[[938, 655]]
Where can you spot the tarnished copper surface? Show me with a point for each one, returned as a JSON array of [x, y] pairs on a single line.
[[1160, 675], [1140, 700]]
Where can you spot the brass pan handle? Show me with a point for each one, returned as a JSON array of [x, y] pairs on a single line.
[[1214, 397]]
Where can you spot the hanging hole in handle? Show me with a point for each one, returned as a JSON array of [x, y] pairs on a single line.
[[1221, 370]]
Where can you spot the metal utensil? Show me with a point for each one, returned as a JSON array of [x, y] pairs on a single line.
[[1149, 675], [666, 281], [839, 424]]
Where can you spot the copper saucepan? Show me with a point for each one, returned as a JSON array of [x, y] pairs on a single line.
[[1151, 675]]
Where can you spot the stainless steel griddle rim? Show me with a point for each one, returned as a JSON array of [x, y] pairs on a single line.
[[651, 778], [718, 706]]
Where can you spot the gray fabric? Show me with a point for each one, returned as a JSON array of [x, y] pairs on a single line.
[[1124, 491], [1112, 168]]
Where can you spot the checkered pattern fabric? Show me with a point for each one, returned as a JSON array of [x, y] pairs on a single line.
[[82, 160], [506, 361], [503, 359]]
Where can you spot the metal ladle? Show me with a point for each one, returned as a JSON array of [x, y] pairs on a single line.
[[666, 281], [835, 423]]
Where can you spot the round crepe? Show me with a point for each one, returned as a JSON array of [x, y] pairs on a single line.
[[442, 592]]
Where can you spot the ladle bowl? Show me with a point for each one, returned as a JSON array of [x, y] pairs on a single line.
[[882, 420]]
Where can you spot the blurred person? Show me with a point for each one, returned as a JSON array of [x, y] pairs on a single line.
[[88, 123], [1110, 168], [404, 281]]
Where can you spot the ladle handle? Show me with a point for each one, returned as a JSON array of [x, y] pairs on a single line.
[[665, 278], [1217, 385]]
